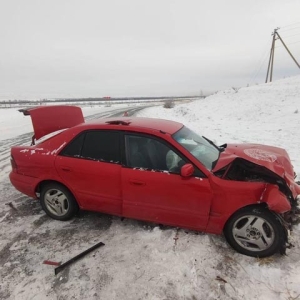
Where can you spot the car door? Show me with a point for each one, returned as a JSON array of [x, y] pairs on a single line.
[[154, 190], [91, 166]]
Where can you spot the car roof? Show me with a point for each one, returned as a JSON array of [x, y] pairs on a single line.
[[137, 122]]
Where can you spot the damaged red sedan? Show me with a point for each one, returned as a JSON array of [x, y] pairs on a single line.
[[159, 171]]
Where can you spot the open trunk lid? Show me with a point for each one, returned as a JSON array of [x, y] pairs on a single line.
[[48, 119]]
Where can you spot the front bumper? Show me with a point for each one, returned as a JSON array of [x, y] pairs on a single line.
[[287, 220]]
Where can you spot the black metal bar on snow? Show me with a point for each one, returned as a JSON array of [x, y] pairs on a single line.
[[61, 267]]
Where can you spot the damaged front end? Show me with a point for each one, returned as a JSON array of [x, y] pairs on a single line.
[[279, 194]]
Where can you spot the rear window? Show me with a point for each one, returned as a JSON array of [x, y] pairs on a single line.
[[74, 147], [95, 145]]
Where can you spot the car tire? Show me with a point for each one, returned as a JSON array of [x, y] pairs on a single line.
[[58, 202], [255, 231]]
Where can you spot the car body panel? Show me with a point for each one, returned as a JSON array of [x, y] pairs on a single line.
[[275, 199], [24, 184], [94, 184], [230, 196], [140, 124], [162, 197]]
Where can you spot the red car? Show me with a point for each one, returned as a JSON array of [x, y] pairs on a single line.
[[159, 171]]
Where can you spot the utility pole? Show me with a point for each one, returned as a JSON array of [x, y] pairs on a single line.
[[276, 36], [271, 59]]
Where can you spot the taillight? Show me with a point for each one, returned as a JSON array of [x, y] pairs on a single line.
[[13, 164]]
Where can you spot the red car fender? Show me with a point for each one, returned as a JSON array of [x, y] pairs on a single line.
[[55, 178], [275, 200], [226, 203]]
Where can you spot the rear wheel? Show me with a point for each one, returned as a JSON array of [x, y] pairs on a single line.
[[58, 202], [255, 231]]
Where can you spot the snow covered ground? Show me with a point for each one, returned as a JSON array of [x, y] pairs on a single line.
[[141, 260]]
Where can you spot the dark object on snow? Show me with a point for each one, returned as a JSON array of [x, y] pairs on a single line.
[[221, 279], [51, 263], [61, 267], [11, 205]]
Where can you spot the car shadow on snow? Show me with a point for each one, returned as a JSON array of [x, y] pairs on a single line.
[[23, 206], [104, 221], [87, 225]]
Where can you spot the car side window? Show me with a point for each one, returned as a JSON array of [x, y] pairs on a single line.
[[73, 149], [102, 145], [148, 153], [95, 145]]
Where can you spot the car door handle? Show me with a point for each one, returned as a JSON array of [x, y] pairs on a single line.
[[136, 182], [66, 169]]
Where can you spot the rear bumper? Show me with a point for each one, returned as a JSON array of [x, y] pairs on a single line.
[[24, 184]]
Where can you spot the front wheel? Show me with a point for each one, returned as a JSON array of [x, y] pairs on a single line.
[[255, 231], [58, 202]]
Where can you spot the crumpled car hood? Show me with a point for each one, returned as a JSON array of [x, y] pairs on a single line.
[[273, 158]]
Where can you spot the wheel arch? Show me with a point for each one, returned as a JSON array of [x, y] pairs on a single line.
[[256, 205], [44, 182]]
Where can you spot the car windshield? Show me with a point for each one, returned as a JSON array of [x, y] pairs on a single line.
[[201, 148]]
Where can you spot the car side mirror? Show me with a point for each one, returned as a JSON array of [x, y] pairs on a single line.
[[187, 170]]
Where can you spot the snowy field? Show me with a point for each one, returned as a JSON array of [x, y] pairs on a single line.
[[141, 260]]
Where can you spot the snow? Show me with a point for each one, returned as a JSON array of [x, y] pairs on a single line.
[[142, 260]]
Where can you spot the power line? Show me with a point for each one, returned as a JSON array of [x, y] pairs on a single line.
[[260, 62], [289, 44], [294, 43], [291, 35], [290, 25], [285, 30]]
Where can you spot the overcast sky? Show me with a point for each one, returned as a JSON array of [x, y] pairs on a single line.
[[77, 48]]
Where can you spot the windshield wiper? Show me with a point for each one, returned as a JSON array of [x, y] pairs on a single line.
[[213, 144]]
